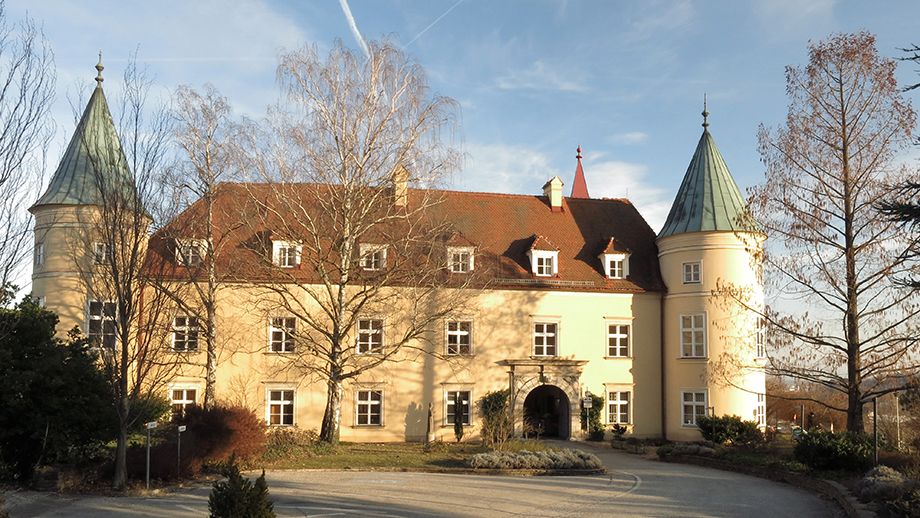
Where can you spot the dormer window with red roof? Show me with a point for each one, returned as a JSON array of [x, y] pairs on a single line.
[[544, 257], [285, 254], [373, 257], [460, 259], [615, 259]]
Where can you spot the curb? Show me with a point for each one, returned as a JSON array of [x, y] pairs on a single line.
[[826, 488]]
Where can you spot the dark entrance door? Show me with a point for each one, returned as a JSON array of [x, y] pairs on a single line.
[[546, 411]]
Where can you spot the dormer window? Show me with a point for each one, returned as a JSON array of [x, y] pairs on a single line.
[[190, 252], [544, 257], [285, 254], [460, 260], [616, 265], [373, 257]]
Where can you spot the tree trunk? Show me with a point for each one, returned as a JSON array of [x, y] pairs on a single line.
[[121, 448], [332, 418]]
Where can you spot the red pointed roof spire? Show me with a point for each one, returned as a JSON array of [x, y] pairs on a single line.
[[579, 187]]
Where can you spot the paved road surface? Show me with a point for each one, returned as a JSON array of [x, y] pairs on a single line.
[[635, 487]]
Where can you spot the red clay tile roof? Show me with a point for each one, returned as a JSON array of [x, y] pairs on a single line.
[[501, 226]]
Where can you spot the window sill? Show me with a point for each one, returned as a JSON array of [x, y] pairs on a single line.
[[367, 426], [449, 355], [693, 359], [618, 358], [278, 353], [186, 351]]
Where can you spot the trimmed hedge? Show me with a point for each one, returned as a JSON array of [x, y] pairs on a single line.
[[561, 459], [822, 450]]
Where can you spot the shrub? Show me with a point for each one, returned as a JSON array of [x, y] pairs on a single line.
[[561, 459], [238, 497], [496, 425], [3, 514], [591, 418], [618, 431], [730, 429], [881, 483], [829, 451], [286, 441]]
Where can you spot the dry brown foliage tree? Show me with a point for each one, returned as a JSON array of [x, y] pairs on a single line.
[[836, 319], [348, 159]]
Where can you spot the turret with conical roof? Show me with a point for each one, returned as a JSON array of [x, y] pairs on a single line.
[[709, 243], [93, 174]]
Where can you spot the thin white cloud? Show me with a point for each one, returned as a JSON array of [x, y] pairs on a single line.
[[354, 27], [628, 139], [541, 76], [503, 168], [431, 24], [615, 179]]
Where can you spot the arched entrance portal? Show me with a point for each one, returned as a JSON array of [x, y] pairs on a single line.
[[546, 410]]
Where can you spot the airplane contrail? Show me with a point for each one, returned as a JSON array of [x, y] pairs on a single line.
[[354, 28], [431, 25]]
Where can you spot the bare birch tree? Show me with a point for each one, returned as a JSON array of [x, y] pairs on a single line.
[[125, 312], [829, 251], [27, 80], [350, 241]]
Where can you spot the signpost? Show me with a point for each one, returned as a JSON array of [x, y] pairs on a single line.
[[150, 426], [181, 429]]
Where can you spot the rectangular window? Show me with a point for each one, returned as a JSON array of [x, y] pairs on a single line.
[[281, 334], [373, 257], [694, 405], [691, 273], [544, 266], [693, 336], [760, 350], [287, 256], [369, 407], [102, 254], [281, 407], [618, 407], [39, 254], [451, 414], [185, 333], [459, 338], [460, 260], [545, 339], [182, 399], [760, 413], [615, 268], [101, 324], [190, 253], [370, 336], [618, 340]]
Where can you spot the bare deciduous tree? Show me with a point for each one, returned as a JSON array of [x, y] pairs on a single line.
[[350, 241], [27, 81], [829, 251]]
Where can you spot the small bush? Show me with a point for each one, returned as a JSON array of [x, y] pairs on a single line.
[[905, 506], [591, 418], [881, 483], [526, 445], [618, 431], [821, 450], [561, 459], [496, 425], [730, 429], [238, 497]]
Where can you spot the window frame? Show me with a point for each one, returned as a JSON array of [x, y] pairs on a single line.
[[367, 347], [286, 406], [693, 330], [285, 342], [460, 265], [694, 403], [373, 257], [609, 403], [609, 271], [189, 328], [538, 262], [760, 335], [38, 258], [185, 255], [760, 411], [692, 272], [103, 318], [450, 413], [364, 407], [542, 335], [458, 334], [185, 401], [286, 254], [611, 322], [102, 253]]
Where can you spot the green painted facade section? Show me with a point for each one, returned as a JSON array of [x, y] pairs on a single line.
[[94, 164], [708, 199]]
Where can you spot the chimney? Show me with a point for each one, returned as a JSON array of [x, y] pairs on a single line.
[[401, 187], [553, 191]]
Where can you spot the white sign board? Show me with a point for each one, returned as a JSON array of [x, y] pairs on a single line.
[[587, 402], [151, 425], [181, 428]]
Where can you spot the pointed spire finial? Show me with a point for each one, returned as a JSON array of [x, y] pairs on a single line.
[[578, 156], [705, 113], [99, 68]]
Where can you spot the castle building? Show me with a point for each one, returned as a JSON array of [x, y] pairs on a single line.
[[566, 296]]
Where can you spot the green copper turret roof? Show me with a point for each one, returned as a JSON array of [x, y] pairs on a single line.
[[94, 162], [708, 198]]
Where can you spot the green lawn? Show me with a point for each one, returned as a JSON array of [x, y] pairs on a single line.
[[363, 455]]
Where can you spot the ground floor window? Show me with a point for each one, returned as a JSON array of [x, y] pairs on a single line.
[[181, 399], [281, 407], [694, 405], [462, 411], [618, 407], [370, 407], [760, 413]]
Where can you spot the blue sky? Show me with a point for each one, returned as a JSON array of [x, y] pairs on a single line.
[[624, 79]]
